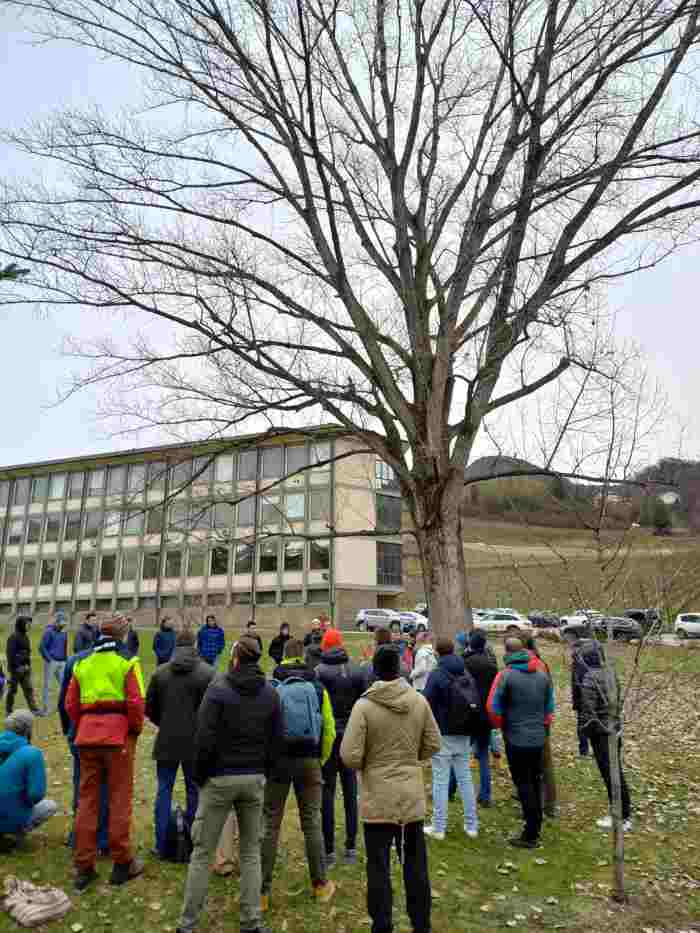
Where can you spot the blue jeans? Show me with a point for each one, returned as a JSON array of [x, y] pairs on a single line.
[[167, 773], [103, 817], [41, 812], [454, 753], [52, 669], [481, 751]]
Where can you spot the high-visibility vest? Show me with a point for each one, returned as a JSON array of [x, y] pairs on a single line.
[[102, 679]]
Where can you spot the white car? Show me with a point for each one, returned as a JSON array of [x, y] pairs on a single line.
[[367, 620], [496, 622], [413, 621], [687, 625]]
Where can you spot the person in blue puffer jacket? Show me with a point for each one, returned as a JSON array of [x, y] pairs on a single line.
[[211, 641], [23, 803], [53, 648], [164, 642]]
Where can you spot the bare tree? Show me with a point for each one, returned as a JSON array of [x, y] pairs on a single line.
[[395, 215]]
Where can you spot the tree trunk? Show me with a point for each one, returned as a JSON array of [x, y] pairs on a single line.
[[615, 714]]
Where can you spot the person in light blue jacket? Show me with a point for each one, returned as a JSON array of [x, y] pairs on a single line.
[[23, 802]]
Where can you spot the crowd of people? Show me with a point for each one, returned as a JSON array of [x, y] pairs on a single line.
[[244, 741]]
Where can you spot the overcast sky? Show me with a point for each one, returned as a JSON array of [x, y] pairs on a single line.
[[658, 309]]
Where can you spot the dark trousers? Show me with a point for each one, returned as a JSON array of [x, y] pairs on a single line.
[[25, 682], [526, 766], [167, 774], [601, 751], [333, 769], [583, 744], [410, 844], [103, 814]]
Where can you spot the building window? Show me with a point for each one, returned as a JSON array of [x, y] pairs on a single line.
[[68, 568], [173, 564], [22, 488], [108, 568], [243, 599], [268, 556], [15, 531], [116, 481], [296, 458], [216, 599], [57, 486], [10, 572], [34, 530], [203, 469], [156, 475], [223, 515], [296, 505], [270, 511], [319, 552], [388, 513], [272, 462], [181, 474], [72, 529], [320, 453], [137, 477], [200, 517], [197, 564], [40, 488], [53, 527], [266, 598], [48, 572], [179, 516], [293, 556], [96, 482], [248, 465], [246, 513], [154, 521], [112, 524], [29, 573], [93, 524], [130, 566], [292, 597], [87, 569], [151, 566], [4, 492], [244, 558], [223, 468], [389, 564], [320, 506], [318, 596], [133, 523], [75, 485], [219, 561], [385, 475]]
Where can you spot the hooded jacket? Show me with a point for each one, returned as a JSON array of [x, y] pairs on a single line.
[[85, 638], [600, 700], [295, 667], [54, 644], [313, 653], [174, 696], [239, 726], [164, 644], [521, 702], [484, 670], [437, 688], [276, 649], [587, 652], [210, 642], [424, 663], [22, 781], [390, 733], [344, 682], [19, 649]]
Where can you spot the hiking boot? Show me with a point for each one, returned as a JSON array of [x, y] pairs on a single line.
[[350, 857], [520, 842], [330, 860], [323, 891], [127, 872], [433, 833], [84, 878]]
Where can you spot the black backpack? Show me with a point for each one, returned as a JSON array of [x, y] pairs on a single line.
[[178, 842], [463, 705]]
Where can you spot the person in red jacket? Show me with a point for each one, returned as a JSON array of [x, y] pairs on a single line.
[[106, 703]]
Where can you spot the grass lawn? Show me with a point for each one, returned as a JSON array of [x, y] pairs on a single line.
[[477, 884]]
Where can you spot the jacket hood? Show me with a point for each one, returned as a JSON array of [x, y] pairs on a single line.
[[21, 626], [590, 653], [291, 667], [393, 694], [452, 664], [248, 679], [184, 660], [522, 661], [10, 742], [335, 656]]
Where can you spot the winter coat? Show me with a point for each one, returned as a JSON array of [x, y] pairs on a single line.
[[437, 688], [54, 644], [22, 781], [586, 653], [313, 653], [424, 662], [391, 731], [521, 702], [239, 726], [344, 682], [599, 709], [19, 649], [174, 696], [276, 649], [210, 643], [132, 643], [85, 638], [295, 667], [484, 670], [164, 644]]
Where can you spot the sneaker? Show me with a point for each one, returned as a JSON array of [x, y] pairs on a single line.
[[433, 833], [121, 874], [84, 878], [324, 891], [350, 857], [264, 903], [520, 842], [472, 833], [604, 823]]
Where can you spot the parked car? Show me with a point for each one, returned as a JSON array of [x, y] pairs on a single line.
[[541, 619], [367, 620], [687, 625], [504, 623], [623, 629], [412, 622], [648, 618]]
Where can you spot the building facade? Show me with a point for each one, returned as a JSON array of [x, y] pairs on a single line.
[[266, 525]]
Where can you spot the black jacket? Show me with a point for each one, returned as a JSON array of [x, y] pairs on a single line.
[[174, 696], [276, 649], [19, 649], [239, 726], [586, 653], [132, 643], [301, 749], [484, 670], [313, 653], [344, 682], [85, 638]]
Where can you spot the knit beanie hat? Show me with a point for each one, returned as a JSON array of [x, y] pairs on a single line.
[[248, 649], [386, 662], [331, 639], [116, 627], [20, 722]]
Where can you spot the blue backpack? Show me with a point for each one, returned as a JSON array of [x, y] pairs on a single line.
[[301, 710]]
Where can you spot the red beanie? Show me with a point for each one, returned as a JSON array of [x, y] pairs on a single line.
[[331, 639]]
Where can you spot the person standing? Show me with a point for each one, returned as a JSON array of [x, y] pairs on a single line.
[[382, 636], [164, 641], [390, 733], [251, 629], [53, 648], [345, 684], [481, 664], [132, 639], [105, 701], [312, 655], [23, 802], [238, 739], [521, 704], [455, 747], [19, 665], [211, 641], [424, 661], [276, 649], [600, 718], [174, 696], [580, 649], [87, 634], [309, 730], [549, 781]]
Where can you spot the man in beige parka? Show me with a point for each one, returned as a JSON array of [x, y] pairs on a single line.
[[391, 730]]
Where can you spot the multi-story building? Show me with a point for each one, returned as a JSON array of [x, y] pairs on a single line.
[[265, 524]]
